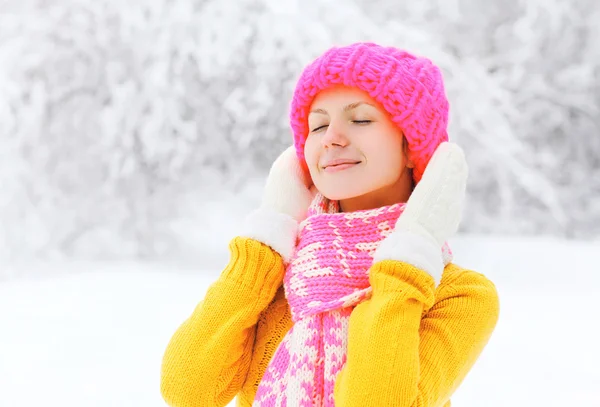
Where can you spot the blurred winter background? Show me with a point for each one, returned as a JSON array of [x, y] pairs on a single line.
[[135, 136]]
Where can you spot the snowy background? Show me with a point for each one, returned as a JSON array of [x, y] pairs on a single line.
[[135, 136]]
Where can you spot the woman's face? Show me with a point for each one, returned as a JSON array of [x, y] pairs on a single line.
[[347, 125]]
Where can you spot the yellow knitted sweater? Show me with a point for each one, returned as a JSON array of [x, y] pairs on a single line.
[[410, 344]]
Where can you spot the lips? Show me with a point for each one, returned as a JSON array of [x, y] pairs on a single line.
[[339, 164], [340, 161]]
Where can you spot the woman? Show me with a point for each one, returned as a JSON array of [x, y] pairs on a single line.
[[342, 290]]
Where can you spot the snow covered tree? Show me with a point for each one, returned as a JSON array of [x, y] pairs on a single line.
[[120, 121]]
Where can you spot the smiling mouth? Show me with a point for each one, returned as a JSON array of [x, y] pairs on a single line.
[[340, 167]]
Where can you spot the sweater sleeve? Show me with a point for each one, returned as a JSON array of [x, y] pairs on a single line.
[[412, 345], [208, 357]]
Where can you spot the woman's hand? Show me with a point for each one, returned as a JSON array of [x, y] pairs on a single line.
[[287, 195], [288, 188], [432, 213]]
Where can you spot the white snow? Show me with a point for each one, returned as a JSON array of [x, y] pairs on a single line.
[[93, 334]]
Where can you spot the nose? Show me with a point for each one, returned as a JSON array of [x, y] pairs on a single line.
[[334, 136]]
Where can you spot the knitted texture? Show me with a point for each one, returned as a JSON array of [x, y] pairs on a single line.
[[221, 351], [408, 87], [327, 277]]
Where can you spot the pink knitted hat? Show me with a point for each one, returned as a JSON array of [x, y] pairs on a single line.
[[409, 88]]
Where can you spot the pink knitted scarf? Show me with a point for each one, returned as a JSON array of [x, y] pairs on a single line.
[[326, 278]]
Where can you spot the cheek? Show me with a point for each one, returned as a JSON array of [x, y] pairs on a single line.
[[311, 153], [385, 155]]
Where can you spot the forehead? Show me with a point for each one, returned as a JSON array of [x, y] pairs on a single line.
[[340, 95]]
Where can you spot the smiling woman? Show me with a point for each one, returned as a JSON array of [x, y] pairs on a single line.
[[355, 153], [341, 290]]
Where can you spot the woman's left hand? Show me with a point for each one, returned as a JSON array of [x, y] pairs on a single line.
[[432, 213]]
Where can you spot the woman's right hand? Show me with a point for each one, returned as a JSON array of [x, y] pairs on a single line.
[[287, 195], [288, 189]]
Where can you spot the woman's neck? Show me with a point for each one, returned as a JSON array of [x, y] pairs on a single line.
[[364, 203], [385, 196]]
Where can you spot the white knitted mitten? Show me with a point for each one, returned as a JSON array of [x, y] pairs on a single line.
[[432, 213], [286, 199]]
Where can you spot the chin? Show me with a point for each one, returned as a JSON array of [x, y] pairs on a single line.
[[337, 194]]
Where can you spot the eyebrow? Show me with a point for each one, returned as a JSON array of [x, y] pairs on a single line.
[[347, 108]]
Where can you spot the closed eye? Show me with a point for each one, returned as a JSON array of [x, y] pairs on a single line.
[[319, 128], [353, 121]]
